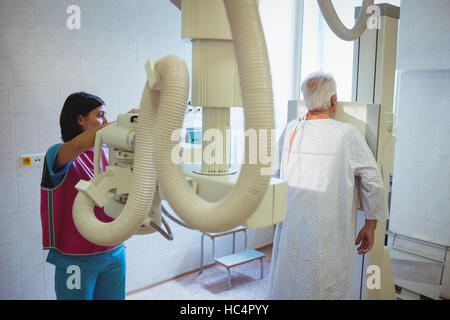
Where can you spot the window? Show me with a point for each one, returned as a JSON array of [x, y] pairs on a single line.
[[323, 50]]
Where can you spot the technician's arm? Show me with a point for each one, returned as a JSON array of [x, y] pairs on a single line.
[[70, 150]]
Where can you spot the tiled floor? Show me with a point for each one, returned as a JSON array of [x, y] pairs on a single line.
[[212, 284]]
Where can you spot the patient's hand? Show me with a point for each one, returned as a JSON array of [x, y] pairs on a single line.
[[366, 237]]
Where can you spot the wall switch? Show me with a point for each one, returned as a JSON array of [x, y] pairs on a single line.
[[32, 160]]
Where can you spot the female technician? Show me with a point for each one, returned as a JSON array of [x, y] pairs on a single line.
[[83, 270]]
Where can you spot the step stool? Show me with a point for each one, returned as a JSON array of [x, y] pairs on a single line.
[[239, 258], [213, 236]]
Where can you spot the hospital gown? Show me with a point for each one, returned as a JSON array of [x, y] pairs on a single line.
[[314, 247]]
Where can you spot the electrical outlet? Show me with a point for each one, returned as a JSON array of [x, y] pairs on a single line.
[[32, 160]]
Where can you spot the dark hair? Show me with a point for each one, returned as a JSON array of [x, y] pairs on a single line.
[[79, 103]]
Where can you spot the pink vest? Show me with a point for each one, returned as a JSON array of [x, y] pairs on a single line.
[[58, 229]]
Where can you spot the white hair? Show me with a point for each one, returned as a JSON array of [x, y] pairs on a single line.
[[318, 88]]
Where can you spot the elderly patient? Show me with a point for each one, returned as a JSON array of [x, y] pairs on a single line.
[[314, 247]]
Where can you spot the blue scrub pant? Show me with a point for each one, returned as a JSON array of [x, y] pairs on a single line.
[[102, 281]]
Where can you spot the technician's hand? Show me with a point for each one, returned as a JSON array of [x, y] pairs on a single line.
[[133, 111], [86, 140], [366, 238], [70, 150]]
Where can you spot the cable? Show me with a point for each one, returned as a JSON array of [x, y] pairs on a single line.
[[168, 215]]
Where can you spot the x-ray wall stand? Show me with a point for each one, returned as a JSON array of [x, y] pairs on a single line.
[[375, 54], [373, 90]]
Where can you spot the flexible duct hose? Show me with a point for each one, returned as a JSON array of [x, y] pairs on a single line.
[[335, 24], [142, 187], [154, 144], [245, 197]]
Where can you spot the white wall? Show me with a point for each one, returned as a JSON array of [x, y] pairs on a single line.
[[421, 182], [41, 63]]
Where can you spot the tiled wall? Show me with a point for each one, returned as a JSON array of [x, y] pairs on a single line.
[[41, 63]]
